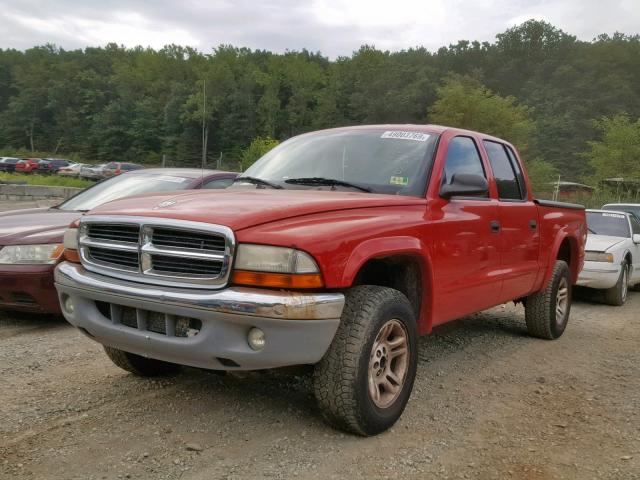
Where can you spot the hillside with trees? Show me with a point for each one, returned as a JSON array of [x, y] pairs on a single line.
[[570, 106]]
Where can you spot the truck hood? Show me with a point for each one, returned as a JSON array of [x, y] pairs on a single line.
[[602, 243], [240, 208], [34, 226]]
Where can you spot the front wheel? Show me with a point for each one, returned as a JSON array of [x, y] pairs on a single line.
[[617, 295], [364, 381], [547, 312]]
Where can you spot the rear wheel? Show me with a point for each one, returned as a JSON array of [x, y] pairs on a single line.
[[138, 365], [364, 381], [547, 312], [617, 295]]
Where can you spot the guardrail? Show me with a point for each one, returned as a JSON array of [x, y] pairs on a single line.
[[35, 192]]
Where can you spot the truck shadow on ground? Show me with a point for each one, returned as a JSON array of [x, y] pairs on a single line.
[[286, 399]]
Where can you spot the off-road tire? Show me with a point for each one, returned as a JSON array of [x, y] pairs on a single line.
[[341, 378], [138, 365], [617, 295], [541, 308]]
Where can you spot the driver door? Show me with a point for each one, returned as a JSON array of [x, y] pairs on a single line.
[[466, 242]]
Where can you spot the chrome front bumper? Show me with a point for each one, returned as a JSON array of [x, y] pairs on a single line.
[[299, 327]]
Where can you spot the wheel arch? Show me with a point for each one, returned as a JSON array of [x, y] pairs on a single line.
[[396, 262], [566, 248]]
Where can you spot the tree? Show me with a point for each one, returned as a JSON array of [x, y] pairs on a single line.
[[465, 103], [617, 153], [256, 149]]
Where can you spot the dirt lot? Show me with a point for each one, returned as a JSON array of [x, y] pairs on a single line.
[[489, 403]]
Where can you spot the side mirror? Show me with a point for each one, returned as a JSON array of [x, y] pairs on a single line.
[[636, 238], [465, 185]]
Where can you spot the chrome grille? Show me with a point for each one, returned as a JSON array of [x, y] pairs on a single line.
[[164, 237], [118, 233], [162, 263], [121, 258], [156, 250]]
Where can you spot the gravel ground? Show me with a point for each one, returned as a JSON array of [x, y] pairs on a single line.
[[489, 403]]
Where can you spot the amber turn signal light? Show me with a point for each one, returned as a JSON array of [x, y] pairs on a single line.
[[277, 280], [71, 255]]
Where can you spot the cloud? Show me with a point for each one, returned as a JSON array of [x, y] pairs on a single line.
[[334, 27]]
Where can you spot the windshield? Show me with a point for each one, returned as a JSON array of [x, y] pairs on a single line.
[[124, 186], [613, 224], [383, 161], [635, 209]]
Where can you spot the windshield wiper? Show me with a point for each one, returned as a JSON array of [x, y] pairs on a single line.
[[592, 231], [257, 181], [333, 182]]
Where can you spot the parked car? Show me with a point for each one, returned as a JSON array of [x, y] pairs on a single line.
[[72, 170], [116, 168], [612, 260], [27, 165], [335, 249], [8, 164], [633, 208], [52, 165], [92, 172], [31, 240]]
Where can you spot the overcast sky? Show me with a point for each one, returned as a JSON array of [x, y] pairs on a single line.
[[333, 27]]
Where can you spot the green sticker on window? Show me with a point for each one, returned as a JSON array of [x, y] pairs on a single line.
[[399, 180]]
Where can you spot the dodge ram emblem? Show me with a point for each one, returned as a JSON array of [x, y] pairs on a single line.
[[166, 203]]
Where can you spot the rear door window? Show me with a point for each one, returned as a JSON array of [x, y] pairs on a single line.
[[504, 172]]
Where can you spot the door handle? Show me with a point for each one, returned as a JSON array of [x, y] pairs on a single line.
[[495, 226], [533, 224]]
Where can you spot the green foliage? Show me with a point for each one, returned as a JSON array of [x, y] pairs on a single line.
[[617, 153], [114, 104], [542, 175], [256, 149], [47, 180], [465, 103]]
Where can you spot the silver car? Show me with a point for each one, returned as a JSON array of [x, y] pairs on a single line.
[[92, 172], [612, 258]]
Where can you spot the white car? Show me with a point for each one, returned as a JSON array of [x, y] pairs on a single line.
[[72, 170], [624, 207], [612, 259], [92, 172]]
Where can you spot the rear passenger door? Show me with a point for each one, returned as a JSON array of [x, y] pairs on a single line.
[[519, 223]]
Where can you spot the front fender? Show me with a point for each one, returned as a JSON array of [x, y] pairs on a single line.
[[376, 248]]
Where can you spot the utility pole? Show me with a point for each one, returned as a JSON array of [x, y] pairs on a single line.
[[204, 128], [164, 160]]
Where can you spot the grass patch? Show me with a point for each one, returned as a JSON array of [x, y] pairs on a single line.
[[45, 180]]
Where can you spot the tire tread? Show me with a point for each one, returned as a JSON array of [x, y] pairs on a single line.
[[539, 305], [335, 377]]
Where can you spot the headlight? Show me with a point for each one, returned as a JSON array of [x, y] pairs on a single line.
[[31, 254], [275, 267], [264, 258], [598, 257]]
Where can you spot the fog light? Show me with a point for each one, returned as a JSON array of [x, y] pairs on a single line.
[[256, 339], [69, 307]]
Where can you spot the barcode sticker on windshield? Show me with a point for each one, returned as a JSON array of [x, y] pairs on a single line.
[[614, 215], [167, 178], [400, 135]]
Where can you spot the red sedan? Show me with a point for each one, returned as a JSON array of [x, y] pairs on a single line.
[[27, 165], [31, 240]]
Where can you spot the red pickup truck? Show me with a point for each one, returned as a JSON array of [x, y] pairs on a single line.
[[336, 249]]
